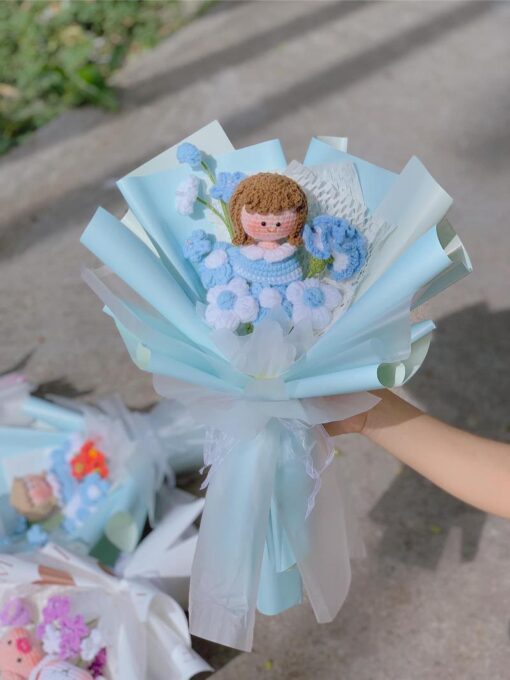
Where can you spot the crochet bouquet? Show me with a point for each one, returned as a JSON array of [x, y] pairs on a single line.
[[268, 297], [62, 616], [73, 473]]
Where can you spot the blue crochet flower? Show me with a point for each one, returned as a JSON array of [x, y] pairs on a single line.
[[92, 489], [198, 245], [36, 536], [188, 153], [335, 237], [226, 184], [318, 237], [349, 251], [215, 269]]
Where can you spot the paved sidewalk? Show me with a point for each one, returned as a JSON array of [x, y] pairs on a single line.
[[432, 600]]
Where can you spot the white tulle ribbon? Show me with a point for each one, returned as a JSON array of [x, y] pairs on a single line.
[[273, 503]]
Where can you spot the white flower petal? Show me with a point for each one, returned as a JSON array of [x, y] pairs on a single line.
[[295, 291], [51, 639], [216, 259], [212, 293], [300, 312], [247, 308], [321, 317], [333, 297], [221, 318], [91, 645], [238, 286], [340, 262], [270, 297]]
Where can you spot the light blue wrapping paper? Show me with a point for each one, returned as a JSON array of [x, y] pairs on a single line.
[[273, 522]]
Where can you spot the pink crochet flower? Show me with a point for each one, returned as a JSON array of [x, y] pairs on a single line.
[[23, 645], [73, 630]]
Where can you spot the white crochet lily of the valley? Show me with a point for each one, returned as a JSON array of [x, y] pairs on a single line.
[[186, 195], [314, 300], [230, 305]]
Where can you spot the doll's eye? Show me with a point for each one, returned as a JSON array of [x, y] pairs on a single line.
[[278, 224], [262, 224], [9, 642], [19, 659]]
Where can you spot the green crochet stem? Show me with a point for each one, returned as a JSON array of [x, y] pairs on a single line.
[[225, 217], [211, 208], [208, 172]]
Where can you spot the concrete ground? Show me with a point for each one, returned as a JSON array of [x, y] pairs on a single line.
[[432, 600]]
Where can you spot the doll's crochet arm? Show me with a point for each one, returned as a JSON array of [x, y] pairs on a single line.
[[474, 469]]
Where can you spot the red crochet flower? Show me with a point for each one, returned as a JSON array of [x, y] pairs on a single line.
[[89, 459]]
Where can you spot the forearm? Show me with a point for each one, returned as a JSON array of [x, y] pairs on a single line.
[[474, 469]]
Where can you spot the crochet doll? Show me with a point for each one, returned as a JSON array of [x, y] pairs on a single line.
[[267, 266], [268, 212], [33, 497]]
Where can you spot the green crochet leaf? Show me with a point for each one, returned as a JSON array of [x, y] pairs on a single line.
[[316, 266]]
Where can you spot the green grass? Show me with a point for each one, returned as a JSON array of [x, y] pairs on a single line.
[[57, 55]]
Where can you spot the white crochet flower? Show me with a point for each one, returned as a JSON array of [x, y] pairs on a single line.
[[186, 195], [314, 300], [230, 305], [51, 639], [91, 645], [270, 298]]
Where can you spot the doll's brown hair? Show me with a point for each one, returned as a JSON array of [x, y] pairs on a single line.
[[266, 193]]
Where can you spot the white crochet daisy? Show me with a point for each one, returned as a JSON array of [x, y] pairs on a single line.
[[314, 300], [230, 305]]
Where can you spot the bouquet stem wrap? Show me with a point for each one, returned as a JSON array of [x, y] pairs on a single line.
[[268, 460]]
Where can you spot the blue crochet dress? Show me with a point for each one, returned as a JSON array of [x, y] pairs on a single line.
[[261, 271]]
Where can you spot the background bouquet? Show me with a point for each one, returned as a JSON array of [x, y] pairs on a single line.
[[76, 472], [62, 616], [268, 297]]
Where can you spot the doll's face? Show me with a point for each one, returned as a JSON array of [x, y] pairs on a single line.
[[269, 227]]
